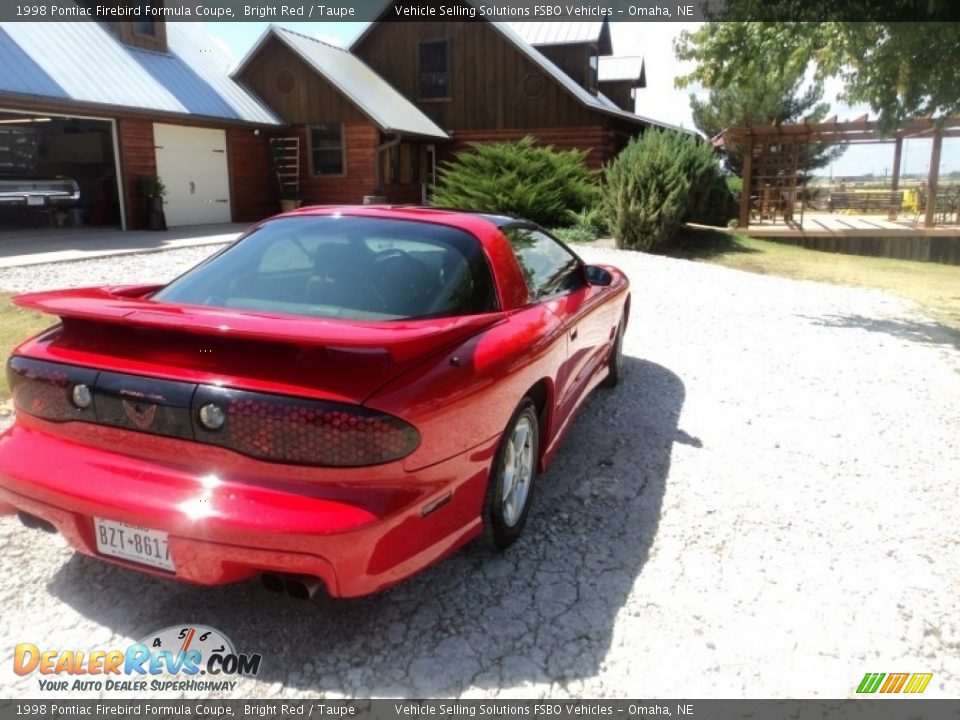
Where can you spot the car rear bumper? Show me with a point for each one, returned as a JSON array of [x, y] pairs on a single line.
[[358, 531]]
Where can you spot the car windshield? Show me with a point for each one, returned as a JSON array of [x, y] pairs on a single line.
[[338, 266]]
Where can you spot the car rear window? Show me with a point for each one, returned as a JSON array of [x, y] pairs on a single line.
[[346, 267]]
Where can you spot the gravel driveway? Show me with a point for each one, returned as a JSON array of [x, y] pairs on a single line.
[[767, 507]]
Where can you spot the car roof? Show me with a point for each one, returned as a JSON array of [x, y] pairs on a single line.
[[408, 212]]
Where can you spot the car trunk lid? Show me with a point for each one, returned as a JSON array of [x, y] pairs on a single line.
[[120, 329]]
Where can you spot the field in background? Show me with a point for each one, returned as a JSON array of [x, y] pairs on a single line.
[[933, 286]]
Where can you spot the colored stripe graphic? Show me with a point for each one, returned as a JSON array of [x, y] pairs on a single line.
[[918, 682], [870, 682], [895, 682]]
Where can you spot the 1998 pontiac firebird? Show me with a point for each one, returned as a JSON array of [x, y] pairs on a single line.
[[341, 397]]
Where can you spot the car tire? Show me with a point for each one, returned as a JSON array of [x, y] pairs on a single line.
[[510, 489], [615, 363]]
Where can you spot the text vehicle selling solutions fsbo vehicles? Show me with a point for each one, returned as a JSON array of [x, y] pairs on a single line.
[[342, 397]]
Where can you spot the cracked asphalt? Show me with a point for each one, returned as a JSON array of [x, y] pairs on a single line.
[[767, 507]]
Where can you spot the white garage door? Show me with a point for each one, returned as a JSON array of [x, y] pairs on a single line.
[[192, 163]]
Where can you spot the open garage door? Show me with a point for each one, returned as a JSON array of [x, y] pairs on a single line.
[[192, 163], [57, 173]]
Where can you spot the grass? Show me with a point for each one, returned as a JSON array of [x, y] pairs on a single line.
[[933, 286], [16, 325]]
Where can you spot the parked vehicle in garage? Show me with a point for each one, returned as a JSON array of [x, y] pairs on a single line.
[[38, 192], [20, 184], [341, 397]]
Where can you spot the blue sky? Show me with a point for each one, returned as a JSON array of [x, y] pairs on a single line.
[[659, 100]]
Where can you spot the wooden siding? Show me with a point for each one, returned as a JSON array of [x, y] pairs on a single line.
[[253, 193], [572, 59], [361, 140], [493, 84], [621, 92], [311, 99], [137, 159]]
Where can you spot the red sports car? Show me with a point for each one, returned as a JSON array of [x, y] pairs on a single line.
[[343, 396]]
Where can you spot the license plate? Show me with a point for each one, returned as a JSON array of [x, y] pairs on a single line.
[[35, 200], [131, 542]]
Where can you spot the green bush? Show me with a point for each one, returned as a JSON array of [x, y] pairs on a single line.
[[660, 181], [734, 184], [720, 206], [591, 220], [574, 234], [519, 179]]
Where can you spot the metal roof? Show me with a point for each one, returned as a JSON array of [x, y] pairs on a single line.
[[85, 62], [373, 95], [559, 33], [622, 69]]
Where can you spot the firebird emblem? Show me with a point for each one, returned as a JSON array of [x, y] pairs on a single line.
[[139, 415]]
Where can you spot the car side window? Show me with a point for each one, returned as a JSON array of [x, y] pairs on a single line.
[[548, 267]]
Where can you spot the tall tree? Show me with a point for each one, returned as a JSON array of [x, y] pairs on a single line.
[[901, 69], [769, 98]]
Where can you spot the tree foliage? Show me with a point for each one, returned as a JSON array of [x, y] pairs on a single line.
[[658, 182], [901, 69], [518, 179], [768, 98]]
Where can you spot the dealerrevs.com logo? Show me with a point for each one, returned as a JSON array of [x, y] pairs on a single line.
[[179, 658]]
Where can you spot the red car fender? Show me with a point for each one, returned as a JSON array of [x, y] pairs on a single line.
[[461, 398]]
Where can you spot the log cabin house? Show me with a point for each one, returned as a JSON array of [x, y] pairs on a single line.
[[407, 95], [365, 123]]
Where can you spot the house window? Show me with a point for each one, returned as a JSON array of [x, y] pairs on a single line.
[[326, 150], [145, 27], [434, 70]]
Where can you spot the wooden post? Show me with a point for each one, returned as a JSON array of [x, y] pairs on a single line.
[[895, 179], [932, 180], [747, 182]]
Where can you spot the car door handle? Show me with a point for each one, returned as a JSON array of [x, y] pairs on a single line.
[[573, 334]]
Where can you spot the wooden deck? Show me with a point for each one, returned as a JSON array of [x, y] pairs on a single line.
[[873, 235]]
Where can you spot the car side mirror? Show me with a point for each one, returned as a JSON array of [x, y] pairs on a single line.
[[597, 275]]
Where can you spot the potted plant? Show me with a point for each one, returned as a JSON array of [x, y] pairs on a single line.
[[153, 189], [289, 200]]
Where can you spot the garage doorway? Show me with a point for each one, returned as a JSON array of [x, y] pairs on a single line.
[[192, 163], [58, 172]]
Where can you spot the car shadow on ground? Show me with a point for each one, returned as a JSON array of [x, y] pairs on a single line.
[[544, 611]]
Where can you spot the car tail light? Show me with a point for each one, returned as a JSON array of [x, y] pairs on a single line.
[[295, 430], [275, 428], [49, 390]]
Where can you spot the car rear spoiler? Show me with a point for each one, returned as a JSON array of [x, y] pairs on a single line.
[[130, 305]]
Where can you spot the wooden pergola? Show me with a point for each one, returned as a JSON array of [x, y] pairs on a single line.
[[759, 140]]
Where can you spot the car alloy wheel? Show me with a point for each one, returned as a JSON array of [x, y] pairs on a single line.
[[517, 471], [510, 491]]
